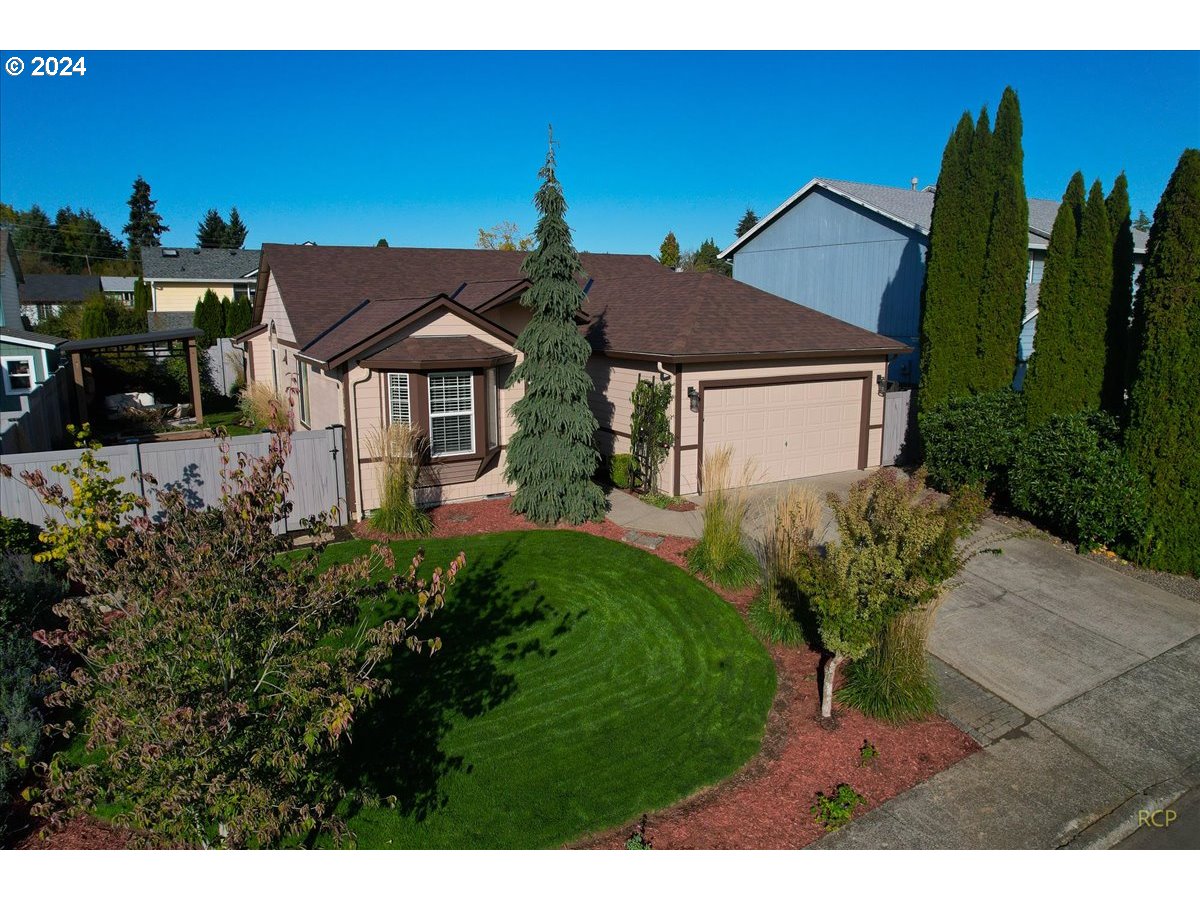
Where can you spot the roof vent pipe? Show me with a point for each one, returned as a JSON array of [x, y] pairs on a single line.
[[914, 183]]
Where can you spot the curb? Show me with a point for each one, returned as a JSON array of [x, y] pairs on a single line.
[[1112, 828]]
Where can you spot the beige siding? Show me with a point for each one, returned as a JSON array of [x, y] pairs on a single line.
[[611, 400], [325, 399], [273, 311], [693, 375], [182, 296], [512, 316], [259, 350]]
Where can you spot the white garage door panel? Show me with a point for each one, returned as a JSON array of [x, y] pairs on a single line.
[[787, 430]]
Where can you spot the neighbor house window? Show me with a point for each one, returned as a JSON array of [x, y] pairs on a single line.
[[302, 384], [242, 290], [451, 413], [18, 374], [399, 409], [1035, 270], [493, 410]]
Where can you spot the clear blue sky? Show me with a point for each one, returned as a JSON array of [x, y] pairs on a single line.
[[424, 148]]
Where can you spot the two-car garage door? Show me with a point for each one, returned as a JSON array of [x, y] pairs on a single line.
[[790, 430]]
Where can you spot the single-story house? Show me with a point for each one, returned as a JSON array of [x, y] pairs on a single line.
[[374, 335], [179, 276], [119, 288], [857, 251], [48, 295]]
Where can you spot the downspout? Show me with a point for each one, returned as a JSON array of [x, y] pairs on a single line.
[[358, 443], [666, 376]]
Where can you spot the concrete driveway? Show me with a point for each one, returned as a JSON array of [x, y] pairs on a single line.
[[1083, 686]]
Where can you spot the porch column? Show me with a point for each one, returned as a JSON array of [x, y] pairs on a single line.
[[194, 378]]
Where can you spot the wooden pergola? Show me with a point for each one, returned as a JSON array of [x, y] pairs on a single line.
[[172, 343]]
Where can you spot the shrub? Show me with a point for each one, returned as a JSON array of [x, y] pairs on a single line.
[[20, 716], [836, 809], [896, 549], [650, 430], [29, 590], [638, 839], [220, 685], [971, 440], [399, 449], [18, 536], [621, 470], [720, 554], [1071, 476], [263, 408]]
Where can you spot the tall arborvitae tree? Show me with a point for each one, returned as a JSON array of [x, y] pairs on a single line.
[[945, 345], [1163, 438], [1118, 364], [145, 227], [141, 298], [1051, 368], [1002, 293], [552, 457], [668, 253], [209, 318], [980, 198], [240, 316], [748, 220], [235, 231], [1091, 283]]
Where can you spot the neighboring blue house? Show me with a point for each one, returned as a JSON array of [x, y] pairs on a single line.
[[857, 252]]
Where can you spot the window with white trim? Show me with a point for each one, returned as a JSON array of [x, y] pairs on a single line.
[[302, 385], [18, 374], [493, 409], [399, 407], [451, 413]]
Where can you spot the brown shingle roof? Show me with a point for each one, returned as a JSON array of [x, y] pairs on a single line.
[[339, 298], [699, 314], [437, 352]]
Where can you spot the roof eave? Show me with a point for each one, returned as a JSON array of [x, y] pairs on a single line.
[[894, 350]]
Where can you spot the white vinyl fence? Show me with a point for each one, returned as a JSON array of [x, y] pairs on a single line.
[[316, 465], [226, 362]]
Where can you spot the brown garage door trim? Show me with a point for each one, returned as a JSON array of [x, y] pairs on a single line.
[[864, 423]]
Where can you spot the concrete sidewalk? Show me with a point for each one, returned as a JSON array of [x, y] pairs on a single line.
[[1083, 686]]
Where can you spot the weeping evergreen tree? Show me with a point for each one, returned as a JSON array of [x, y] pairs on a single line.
[[1163, 436], [1052, 367], [1091, 283], [945, 344], [1002, 293], [552, 457], [1118, 365]]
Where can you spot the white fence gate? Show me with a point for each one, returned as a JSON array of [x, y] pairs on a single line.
[[898, 426], [316, 466]]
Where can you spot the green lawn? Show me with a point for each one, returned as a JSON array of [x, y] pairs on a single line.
[[581, 683]]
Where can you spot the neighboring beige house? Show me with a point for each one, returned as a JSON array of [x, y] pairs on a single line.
[[375, 335], [179, 276]]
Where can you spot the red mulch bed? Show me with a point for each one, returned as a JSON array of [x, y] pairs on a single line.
[[79, 834], [766, 805]]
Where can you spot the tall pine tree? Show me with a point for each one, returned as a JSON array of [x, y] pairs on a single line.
[[1002, 292], [1163, 438], [145, 226], [748, 220], [1091, 284], [211, 231], [1118, 362], [1052, 367], [235, 231], [668, 253], [552, 457], [945, 344]]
